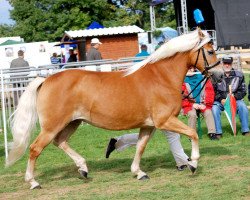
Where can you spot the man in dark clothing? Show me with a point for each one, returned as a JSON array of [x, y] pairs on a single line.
[[72, 56], [236, 80], [16, 64], [19, 62], [93, 53]]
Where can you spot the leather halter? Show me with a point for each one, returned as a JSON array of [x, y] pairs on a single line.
[[205, 72]]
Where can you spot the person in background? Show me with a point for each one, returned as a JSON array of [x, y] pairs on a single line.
[[16, 64], [19, 62], [54, 59], [235, 78], [200, 100], [72, 56], [144, 51], [94, 53]]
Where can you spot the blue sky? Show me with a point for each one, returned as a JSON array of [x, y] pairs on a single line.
[[4, 12]]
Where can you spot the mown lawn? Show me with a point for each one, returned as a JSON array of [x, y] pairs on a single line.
[[223, 173]]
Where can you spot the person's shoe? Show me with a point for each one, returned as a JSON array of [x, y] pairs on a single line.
[[246, 133], [110, 147], [181, 168], [218, 136], [212, 136]]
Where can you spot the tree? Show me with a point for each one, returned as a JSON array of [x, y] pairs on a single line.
[[137, 12], [6, 30], [38, 20]]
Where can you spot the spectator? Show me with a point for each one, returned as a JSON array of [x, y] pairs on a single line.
[[17, 64], [54, 59], [72, 56], [200, 100], [143, 52], [122, 142], [236, 79], [94, 53]]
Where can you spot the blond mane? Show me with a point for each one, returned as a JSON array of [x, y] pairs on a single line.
[[179, 44]]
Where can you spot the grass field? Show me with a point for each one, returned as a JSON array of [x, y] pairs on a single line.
[[223, 173]]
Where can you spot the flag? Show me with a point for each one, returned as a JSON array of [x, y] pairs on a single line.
[[230, 111]]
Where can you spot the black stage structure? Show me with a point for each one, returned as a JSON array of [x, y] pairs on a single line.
[[230, 19]]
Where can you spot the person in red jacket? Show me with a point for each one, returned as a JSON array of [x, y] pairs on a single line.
[[200, 100]]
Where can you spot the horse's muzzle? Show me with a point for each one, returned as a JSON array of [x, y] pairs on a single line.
[[206, 73]]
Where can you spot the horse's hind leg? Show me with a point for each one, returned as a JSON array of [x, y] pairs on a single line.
[[61, 142], [43, 139], [144, 136]]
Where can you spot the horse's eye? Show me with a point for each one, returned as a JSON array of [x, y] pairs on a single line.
[[210, 52]]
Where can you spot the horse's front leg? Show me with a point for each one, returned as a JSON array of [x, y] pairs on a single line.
[[175, 125], [144, 136]]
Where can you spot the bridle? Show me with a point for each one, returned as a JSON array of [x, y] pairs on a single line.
[[205, 72]]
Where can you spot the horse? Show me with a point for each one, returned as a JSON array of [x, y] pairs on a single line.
[[146, 96]]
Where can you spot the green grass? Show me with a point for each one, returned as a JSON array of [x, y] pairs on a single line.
[[223, 173]]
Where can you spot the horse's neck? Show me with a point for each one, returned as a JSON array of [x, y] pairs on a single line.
[[174, 68]]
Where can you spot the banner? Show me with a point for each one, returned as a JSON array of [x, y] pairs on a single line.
[[230, 111]]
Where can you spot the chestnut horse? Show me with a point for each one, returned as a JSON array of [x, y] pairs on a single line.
[[145, 96]]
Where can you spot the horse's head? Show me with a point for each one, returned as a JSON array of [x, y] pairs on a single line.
[[203, 57]]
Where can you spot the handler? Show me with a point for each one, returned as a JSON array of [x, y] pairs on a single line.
[[122, 142]]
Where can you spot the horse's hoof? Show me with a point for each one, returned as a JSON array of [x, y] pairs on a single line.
[[145, 177], [192, 168], [36, 187], [83, 174]]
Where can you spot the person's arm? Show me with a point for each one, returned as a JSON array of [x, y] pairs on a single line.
[[241, 92], [186, 104], [27, 64], [209, 94], [98, 56]]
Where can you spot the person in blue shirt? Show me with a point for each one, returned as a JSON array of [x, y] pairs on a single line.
[[143, 52], [54, 59]]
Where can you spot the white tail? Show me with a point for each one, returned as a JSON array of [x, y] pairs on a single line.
[[23, 122]]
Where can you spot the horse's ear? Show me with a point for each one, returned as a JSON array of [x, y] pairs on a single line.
[[200, 32]]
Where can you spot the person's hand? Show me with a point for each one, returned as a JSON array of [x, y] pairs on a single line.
[[223, 101], [196, 106], [202, 107]]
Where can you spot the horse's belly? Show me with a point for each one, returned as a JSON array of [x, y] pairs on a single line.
[[118, 122]]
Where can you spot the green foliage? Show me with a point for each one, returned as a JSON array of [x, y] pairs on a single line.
[[38, 20], [157, 33], [6, 30], [47, 20]]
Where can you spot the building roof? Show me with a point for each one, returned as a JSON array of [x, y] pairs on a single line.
[[10, 42], [104, 31]]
